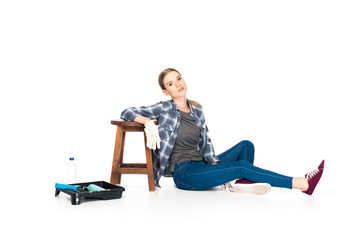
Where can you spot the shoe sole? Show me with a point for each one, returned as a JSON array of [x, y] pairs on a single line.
[[254, 188], [321, 181]]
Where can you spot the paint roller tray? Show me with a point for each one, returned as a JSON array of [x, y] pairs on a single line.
[[111, 192]]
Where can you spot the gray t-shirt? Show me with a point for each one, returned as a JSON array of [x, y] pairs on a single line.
[[185, 147]]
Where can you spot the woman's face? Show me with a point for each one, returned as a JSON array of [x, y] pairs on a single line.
[[175, 85]]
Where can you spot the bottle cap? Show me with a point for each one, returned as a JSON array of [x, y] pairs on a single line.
[[71, 159]]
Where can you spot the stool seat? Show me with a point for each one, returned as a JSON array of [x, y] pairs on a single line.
[[122, 123], [118, 166]]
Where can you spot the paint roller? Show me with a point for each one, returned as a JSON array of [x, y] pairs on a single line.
[[90, 188]]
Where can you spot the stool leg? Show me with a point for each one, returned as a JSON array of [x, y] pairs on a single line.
[[149, 166], [118, 155]]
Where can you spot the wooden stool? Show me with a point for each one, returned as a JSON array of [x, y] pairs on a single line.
[[118, 167]]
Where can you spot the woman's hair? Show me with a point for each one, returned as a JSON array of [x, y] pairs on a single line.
[[162, 85]]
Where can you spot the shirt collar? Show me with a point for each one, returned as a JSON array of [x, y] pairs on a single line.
[[177, 109]]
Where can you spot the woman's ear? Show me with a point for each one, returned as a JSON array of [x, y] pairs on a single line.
[[165, 92]]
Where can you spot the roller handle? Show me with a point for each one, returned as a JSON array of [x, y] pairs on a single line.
[[66, 186]]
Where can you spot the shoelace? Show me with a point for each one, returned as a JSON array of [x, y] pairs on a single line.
[[227, 187], [312, 174]]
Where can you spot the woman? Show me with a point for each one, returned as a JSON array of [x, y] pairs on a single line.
[[184, 151]]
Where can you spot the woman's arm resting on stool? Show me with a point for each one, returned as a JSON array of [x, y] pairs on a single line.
[[141, 119]]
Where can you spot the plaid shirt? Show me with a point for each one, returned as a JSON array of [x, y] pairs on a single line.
[[168, 117]]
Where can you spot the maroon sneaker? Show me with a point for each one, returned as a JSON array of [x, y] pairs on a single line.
[[314, 177], [243, 181], [247, 186]]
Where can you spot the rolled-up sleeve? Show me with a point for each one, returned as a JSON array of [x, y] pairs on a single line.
[[152, 112]]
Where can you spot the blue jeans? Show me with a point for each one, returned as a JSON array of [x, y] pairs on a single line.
[[237, 162]]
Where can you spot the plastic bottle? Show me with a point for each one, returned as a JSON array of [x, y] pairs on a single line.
[[71, 171]]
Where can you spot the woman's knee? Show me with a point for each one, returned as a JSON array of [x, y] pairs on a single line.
[[249, 153], [249, 144]]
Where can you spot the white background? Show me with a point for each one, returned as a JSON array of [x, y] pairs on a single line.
[[282, 74]]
